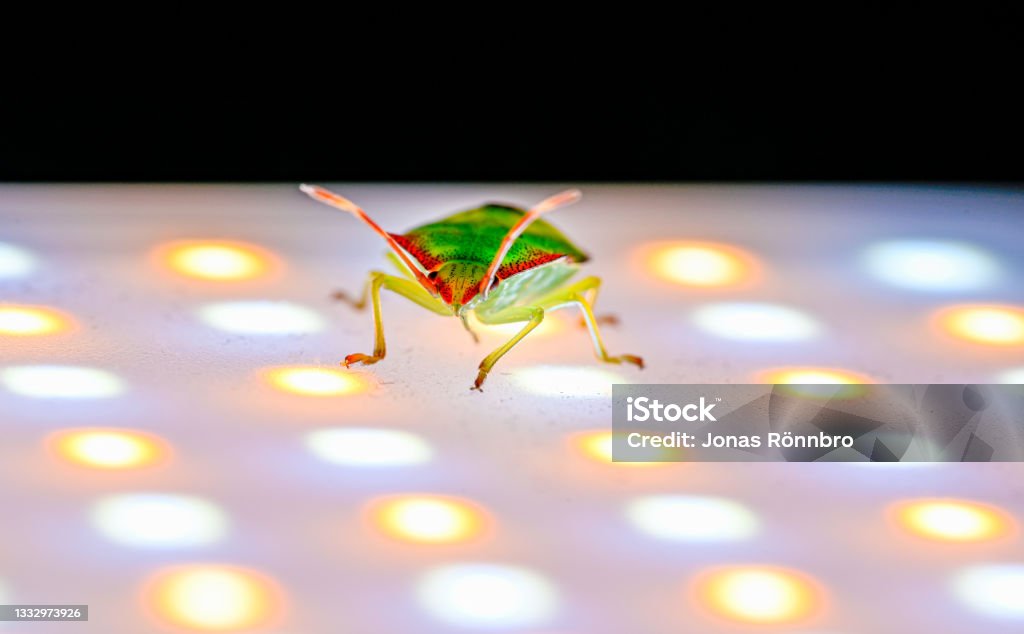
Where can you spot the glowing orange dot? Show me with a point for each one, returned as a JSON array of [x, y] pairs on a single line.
[[429, 519], [597, 445], [316, 381], [759, 595], [993, 325], [22, 321], [103, 448], [220, 260], [830, 376], [701, 264], [816, 383], [953, 520], [214, 598]]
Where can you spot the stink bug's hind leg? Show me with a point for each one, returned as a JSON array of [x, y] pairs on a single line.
[[407, 289], [532, 315], [356, 303], [584, 294], [607, 319]]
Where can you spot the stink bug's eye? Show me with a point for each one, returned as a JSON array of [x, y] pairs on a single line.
[[432, 275]]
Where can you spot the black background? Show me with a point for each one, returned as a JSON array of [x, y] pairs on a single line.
[[863, 93]]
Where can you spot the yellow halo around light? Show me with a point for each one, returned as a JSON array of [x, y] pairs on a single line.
[[214, 598], [107, 448], [953, 520], [316, 381], [701, 264], [23, 321], [811, 376], [597, 446], [762, 595], [218, 260], [987, 324], [428, 519]]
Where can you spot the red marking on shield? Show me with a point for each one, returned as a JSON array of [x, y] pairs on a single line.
[[428, 261]]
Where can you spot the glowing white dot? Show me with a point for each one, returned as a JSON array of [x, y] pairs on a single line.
[[261, 318], [367, 447], [60, 381], [159, 520], [691, 518], [756, 322], [1013, 375], [581, 381], [995, 590], [488, 596], [931, 265], [15, 261]]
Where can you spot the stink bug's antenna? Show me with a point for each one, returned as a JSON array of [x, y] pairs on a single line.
[[552, 203], [327, 197]]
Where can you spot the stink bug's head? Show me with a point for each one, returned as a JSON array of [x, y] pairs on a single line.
[[458, 283]]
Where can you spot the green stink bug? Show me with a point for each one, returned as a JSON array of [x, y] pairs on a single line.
[[502, 263]]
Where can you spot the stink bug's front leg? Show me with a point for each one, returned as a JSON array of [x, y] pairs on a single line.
[[572, 295], [406, 288], [532, 315], [360, 302]]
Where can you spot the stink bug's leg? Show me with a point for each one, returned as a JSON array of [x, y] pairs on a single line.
[[358, 304], [603, 320], [577, 294], [465, 324], [533, 315], [595, 335], [406, 288]]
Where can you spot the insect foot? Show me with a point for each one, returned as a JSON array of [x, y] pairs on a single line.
[[632, 358], [365, 359], [342, 296], [480, 377], [602, 320]]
